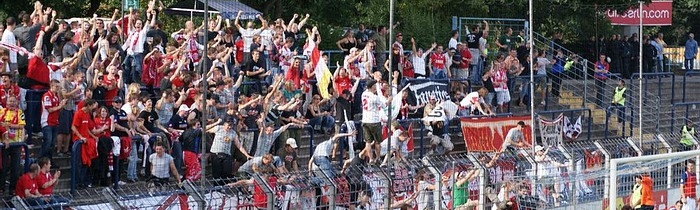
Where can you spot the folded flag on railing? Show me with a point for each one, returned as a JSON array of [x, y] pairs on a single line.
[[572, 131], [14, 48]]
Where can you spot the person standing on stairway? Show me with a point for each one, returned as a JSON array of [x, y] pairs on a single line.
[[602, 68], [618, 102]]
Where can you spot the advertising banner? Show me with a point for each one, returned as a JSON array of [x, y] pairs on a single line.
[[656, 13]]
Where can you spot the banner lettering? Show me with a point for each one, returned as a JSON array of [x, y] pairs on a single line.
[[420, 90], [488, 134], [656, 13]]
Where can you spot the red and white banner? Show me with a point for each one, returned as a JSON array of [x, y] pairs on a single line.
[[656, 13], [487, 134]]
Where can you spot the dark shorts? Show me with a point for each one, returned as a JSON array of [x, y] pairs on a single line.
[[372, 132], [65, 120]]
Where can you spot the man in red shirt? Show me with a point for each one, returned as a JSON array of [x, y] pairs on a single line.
[[81, 127], [437, 65], [26, 187], [45, 181], [7, 88], [52, 106], [688, 186]]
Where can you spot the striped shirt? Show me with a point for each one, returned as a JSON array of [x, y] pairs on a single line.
[[223, 140], [324, 149], [161, 165]]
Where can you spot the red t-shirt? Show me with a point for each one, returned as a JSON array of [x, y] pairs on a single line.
[[342, 83], [49, 101], [177, 82], [465, 55], [438, 60], [150, 75], [110, 94], [25, 182], [239, 50], [37, 70], [82, 122], [42, 179], [191, 93], [103, 122], [292, 75], [8, 90]]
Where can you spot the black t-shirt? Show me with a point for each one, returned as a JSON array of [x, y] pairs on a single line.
[[120, 117], [288, 157], [188, 137], [252, 115], [158, 33], [177, 122], [98, 94], [473, 39], [252, 66], [488, 84], [149, 119], [287, 114], [456, 60], [343, 105]]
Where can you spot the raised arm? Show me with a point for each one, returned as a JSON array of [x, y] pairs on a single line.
[[235, 22], [291, 22], [303, 21]]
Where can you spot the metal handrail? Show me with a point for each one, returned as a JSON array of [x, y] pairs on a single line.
[[688, 74], [687, 109], [571, 111], [658, 76], [608, 113], [75, 163]]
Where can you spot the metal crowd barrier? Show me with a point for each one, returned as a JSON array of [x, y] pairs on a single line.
[[658, 77], [570, 112]]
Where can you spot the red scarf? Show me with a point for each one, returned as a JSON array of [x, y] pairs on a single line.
[[193, 51]]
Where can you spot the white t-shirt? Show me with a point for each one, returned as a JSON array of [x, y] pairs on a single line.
[[542, 66], [395, 144], [425, 196], [471, 99], [9, 38], [266, 38], [247, 35], [418, 63], [371, 107], [452, 44]]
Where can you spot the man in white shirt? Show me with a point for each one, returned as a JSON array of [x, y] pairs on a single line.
[[247, 33], [372, 105], [325, 152], [134, 48], [453, 40], [418, 59], [8, 37]]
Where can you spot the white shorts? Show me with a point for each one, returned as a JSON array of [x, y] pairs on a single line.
[[502, 97]]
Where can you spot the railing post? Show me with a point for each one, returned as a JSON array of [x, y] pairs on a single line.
[[191, 190], [607, 121], [437, 197], [112, 198], [607, 168], [26, 156], [312, 145], [585, 85], [422, 135]]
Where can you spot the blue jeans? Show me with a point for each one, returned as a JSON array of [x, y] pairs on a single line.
[[33, 112], [133, 159], [324, 122], [50, 133], [659, 65], [439, 74], [689, 64], [324, 164], [525, 90], [133, 68], [177, 156]]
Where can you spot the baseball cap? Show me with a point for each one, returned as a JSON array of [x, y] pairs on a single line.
[[399, 34], [539, 148], [292, 143], [118, 99], [183, 108]]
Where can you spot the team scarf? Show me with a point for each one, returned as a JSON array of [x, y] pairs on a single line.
[[193, 50], [14, 48]]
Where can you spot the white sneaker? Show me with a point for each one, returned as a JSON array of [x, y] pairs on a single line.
[[120, 183]]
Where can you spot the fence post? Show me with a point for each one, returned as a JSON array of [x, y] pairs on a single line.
[[112, 198], [437, 197], [191, 190], [422, 135]]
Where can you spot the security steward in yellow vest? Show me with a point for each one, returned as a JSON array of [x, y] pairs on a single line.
[[687, 133], [618, 101]]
